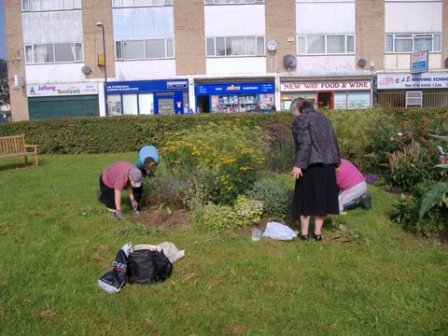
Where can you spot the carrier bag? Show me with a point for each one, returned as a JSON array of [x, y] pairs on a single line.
[[148, 266], [113, 280]]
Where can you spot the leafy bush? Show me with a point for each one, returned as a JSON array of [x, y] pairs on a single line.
[[406, 212], [437, 193], [393, 130], [281, 148], [214, 217], [124, 133], [276, 197], [216, 162], [354, 131], [163, 189], [409, 166], [249, 211]]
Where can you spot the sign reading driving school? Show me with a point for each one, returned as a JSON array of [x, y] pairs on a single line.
[[419, 62], [412, 81]]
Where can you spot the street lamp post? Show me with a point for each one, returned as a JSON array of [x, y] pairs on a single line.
[[101, 25]]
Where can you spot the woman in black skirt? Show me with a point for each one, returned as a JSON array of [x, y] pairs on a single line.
[[316, 158]]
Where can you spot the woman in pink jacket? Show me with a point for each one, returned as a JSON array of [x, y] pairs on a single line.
[[352, 187]]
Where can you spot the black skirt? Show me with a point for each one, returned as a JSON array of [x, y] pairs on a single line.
[[316, 192]]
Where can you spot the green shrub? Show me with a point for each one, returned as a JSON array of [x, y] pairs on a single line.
[[216, 162], [405, 212], [163, 189], [249, 211], [409, 166], [354, 131], [393, 130], [124, 133], [276, 197], [213, 217], [281, 148]]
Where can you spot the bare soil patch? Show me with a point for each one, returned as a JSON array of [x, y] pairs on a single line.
[[165, 218]]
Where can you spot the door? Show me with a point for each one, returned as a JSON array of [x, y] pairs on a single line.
[[325, 100], [163, 104]]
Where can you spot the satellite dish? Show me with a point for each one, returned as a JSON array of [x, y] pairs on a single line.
[[271, 45], [86, 70], [289, 61], [362, 62]]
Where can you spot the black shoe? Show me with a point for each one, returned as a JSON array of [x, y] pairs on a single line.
[[304, 237], [365, 201], [317, 237]]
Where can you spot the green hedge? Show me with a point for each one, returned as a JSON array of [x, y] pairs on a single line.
[[120, 134], [360, 132]]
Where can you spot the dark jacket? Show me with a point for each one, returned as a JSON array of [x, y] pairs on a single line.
[[315, 140]]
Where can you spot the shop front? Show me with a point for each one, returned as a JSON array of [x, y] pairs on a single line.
[[147, 97], [413, 90], [235, 97], [47, 101], [343, 94]]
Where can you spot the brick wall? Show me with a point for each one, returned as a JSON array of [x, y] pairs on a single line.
[[369, 28], [94, 11], [280, 25], [16, 59], [189, 37]]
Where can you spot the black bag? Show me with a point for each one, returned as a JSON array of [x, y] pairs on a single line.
[[148, 266]]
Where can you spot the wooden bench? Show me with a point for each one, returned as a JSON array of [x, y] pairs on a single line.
[[14, 145]]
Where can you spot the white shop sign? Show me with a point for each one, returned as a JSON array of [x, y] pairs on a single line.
[[410, 81], [352, 85], [62, 89]]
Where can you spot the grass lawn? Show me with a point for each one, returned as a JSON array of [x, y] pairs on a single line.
[[56, 240]]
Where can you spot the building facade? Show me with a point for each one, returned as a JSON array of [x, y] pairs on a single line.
[[130, 57]]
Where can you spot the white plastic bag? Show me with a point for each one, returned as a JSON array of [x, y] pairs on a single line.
[[279, 231]]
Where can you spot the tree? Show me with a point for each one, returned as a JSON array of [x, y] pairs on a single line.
[[4, 87]]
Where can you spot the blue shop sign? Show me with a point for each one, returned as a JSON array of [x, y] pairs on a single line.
[[147, 86], [234, 88]]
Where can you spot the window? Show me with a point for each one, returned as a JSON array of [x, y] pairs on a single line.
[[232, 2], [144, 49], [235, 46], [53, 53], [47, 5], [405, 43], [325, 44], [141, 3]]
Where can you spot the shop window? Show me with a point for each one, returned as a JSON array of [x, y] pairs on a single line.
[[130, 105], [402, 43], [48, 5], [325, 44], [235, 46], [114, 105], [146, 103], [53, 53]]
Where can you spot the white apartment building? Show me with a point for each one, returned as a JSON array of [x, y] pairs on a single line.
[[130, 57]]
